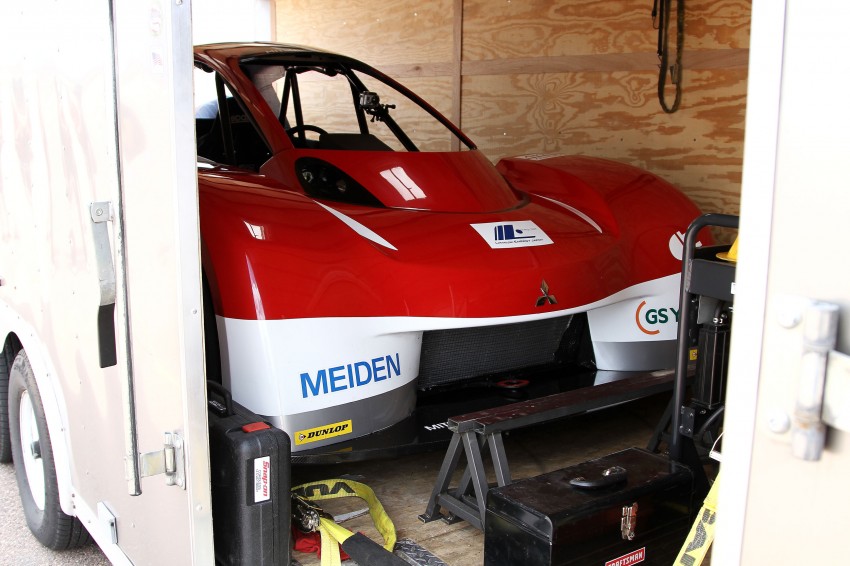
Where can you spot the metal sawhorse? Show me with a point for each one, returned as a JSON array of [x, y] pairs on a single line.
[[476, 433]]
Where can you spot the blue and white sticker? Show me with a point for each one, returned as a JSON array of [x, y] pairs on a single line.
[[521, 234]]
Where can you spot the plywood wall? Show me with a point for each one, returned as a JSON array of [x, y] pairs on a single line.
[[559, 76]]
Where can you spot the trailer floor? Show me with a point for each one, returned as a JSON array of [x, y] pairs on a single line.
[[404, 485]]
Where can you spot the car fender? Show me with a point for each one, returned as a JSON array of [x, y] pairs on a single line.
[[648, 214]]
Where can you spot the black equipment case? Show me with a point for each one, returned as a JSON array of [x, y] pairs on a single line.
[[250, 475], [625, 508]]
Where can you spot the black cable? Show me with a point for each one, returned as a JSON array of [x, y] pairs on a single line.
[[661, 11], [709, 422]]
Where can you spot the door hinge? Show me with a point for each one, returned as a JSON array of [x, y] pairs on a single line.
[[168, 461], [836, 397], [824, 378]]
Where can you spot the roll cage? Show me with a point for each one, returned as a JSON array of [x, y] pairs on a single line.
[[235, 137]]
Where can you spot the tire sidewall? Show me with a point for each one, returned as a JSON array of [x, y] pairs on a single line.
[[5, 438], [44, 524]]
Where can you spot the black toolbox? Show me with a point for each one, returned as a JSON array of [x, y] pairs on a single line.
[[250, 476], [546, 520]]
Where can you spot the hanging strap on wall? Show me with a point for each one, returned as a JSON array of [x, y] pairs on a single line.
[[661, 22]]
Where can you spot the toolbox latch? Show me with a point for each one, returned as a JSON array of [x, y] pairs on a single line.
[[629, 521], [254, 427]]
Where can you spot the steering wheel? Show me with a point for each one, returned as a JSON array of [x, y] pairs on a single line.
[[304, 128]]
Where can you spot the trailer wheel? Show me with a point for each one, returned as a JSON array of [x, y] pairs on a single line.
[[35, 469], [6, 359]]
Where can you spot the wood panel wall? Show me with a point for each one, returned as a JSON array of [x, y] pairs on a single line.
[[559, 76]]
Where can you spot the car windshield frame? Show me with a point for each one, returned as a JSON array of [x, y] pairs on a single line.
[[366, 104]]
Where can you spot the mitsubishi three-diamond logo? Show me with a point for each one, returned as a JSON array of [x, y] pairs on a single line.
[[546, 298]]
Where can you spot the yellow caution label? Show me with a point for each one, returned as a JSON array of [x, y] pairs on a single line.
[[309, 435], [692, 354]]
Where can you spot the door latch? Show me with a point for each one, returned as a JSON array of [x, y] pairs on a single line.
[[101, 214]]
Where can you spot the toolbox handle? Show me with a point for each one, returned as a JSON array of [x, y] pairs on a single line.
[[215, 406], [609, 476]]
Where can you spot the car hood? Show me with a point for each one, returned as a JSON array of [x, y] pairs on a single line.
[[300, 257]]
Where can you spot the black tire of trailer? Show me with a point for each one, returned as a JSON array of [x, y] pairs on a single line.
[[50, 525], [7, 356]]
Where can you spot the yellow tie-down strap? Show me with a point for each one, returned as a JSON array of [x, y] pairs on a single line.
[[702, 533], [333, 534]]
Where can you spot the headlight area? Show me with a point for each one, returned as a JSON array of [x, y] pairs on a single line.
[[323, 180]]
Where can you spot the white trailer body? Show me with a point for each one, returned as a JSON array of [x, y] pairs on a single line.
[[96, 109]]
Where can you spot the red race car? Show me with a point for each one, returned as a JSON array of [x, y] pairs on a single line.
[[362, 258]]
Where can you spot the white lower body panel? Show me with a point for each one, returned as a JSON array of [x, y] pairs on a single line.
[[328, 380]]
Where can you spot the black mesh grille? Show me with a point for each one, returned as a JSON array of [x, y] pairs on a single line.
[[450, 356]]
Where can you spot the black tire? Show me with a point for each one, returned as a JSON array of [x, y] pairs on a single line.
[[6, 358], [50, 525]]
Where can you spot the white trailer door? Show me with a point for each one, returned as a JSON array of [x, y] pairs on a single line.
[[96, 104], [163, 334], [775, 507]]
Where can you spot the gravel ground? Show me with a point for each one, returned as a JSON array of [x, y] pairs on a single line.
[[17, 545]]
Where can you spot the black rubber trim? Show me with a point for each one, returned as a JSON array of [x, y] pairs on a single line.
[[106, 335]]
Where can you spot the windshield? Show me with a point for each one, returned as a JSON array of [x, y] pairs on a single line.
[[332, 106]]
